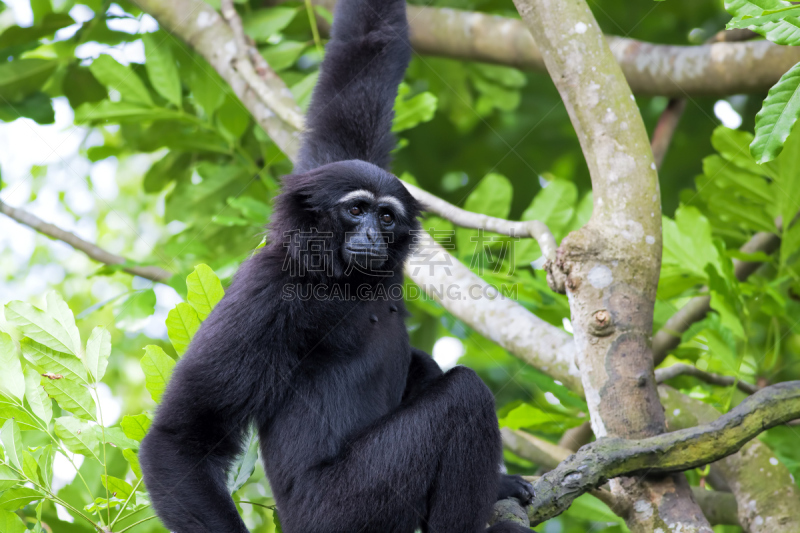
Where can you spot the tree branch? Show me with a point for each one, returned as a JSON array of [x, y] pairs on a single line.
[[714, 69], [466, 219], [766, 493], [680, 369], [95, 252], [678, 451], [610, 267], [719, 508]]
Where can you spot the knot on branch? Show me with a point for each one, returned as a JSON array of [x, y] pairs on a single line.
[[558, 270]]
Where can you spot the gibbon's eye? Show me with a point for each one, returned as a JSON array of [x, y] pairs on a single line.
[[355, 211], [386, 218]]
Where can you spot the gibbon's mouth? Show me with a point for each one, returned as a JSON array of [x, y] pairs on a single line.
[[369, 252]]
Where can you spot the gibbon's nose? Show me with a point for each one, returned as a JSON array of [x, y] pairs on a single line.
[[372, 235]]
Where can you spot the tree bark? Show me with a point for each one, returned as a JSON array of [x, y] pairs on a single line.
[[610, 267]]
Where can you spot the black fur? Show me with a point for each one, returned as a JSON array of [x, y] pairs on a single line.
[[359, 432]]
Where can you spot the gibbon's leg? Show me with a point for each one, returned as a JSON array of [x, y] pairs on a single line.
[[430, 464]]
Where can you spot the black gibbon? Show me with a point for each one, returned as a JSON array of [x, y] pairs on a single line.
[[359, 431]]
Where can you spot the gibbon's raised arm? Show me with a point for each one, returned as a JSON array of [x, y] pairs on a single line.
[[351, 110]]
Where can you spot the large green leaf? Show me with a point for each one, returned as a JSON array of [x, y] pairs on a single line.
[[12, 382], [688, 242], [12, 442], [778, 114], [14, 499], [116, 76], [410, 112], [46, 460], [157, 367], [554, 205], [22, 77], [60, 311], [133, 460], [204, 290], [734, 145], [492, 196], [78, 436], [779, 27], [37, 106], [40, 402], [182, 324], [161, 68], [11, 523], [53, 362], [284, 54], [8, 478], [117, 487], [98, 349], [133, 312], [727, 175], [40, 327], [787, 185], [72, 396], [264, 23], [116, 437], [135, 426]]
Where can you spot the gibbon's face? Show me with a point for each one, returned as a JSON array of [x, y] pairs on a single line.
[[366, 214], [369, 221]]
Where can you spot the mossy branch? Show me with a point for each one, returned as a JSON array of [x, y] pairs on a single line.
[[607, 458]]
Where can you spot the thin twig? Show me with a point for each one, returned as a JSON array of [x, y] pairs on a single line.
[[681, 369], [467, 219], [153, 273]]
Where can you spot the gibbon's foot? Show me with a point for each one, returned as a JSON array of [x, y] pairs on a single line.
[[515, 487]]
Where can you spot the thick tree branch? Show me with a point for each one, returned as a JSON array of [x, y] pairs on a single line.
[[714, 69], [95, 252], [719, 508], [610, 267], [766, 493], [678, 451], [680, 369]]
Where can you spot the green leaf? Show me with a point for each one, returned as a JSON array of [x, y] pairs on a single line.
[[182, 323], [554, 205], [245, 463], [116, 437], [172, 167], [727, 175], [30, 467], [157, 367], [98, 350], [60, 311], [8, 478], [408, 113], [121, 78], [78, 436], [46, 459], [233, 117], [787, 184], [16, 35], [688, 242], [264, 23], [72, 396], [778, 114], [36, 106], [117, 487], [766, 18], [23, 420], [40, 327], [135, 426], [22, 77], [283, 55], [12, 381], [303, 89], [12, 442], [14, 499], [40, 402], [161, 67], [204, 290], [53, 362], [133, 460], [533, 418], [90, 113], [133, 312], [492, 196], [207, 87], [734, 145], [11, 523]]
